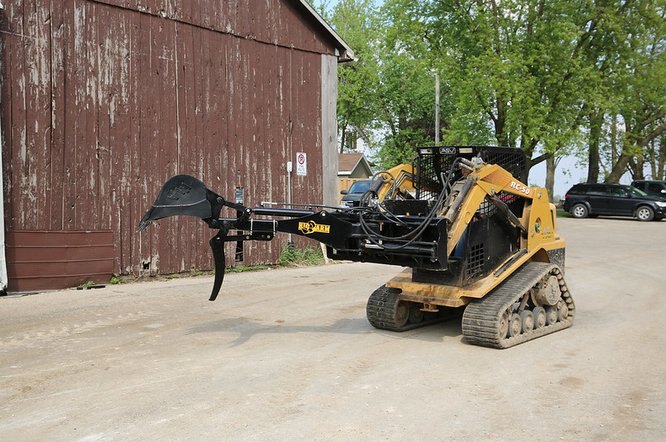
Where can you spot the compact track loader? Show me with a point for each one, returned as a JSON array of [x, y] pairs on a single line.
[[472, 235]]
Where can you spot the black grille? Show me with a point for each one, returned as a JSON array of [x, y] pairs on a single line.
[[475, 262], [433, 165]]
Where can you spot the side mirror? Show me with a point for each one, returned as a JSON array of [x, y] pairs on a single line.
[[344, 192]]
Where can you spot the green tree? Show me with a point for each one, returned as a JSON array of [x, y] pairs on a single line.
[[550, 77], [357, 104], [640, 87], [406, 82]]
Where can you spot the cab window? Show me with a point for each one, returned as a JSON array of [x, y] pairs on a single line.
[[655, 187], [596, 190], [636, 192], [620, 192]]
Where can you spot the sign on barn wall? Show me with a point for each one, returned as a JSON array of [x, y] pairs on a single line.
[[301, 164]]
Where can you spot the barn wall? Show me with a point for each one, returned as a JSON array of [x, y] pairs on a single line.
[[274, 22], [102, 101]]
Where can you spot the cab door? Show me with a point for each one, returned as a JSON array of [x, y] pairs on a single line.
[[656, 189], [620, 202], [597, 196]]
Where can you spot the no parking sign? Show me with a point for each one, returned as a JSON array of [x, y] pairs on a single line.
[[301, 164]]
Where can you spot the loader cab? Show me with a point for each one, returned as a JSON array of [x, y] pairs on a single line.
[[488, 240]]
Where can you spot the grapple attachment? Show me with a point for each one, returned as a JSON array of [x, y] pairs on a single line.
[[359, 234], [186, 195]]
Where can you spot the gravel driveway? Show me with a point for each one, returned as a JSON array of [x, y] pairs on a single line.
[[288, 355]]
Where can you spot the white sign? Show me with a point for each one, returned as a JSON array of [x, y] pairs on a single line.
[[301, 164]]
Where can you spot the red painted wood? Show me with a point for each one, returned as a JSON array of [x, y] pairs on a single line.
[[49, 260], [104, 100]]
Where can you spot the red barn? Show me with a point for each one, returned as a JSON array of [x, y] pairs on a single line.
[[103, 100]]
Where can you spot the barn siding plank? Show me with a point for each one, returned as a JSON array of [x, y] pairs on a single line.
[[18, 149], [38, 113], [70, 40], [140, 182], [12, 41], [57, 146], [131, 243], [109, 43]]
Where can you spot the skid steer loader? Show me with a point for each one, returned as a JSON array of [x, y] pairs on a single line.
[[472, 235]]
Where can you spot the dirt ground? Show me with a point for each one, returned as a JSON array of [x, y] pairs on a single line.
[[289, 355]]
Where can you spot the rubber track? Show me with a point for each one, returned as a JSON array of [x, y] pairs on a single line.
[[381, 310], [480, 324]]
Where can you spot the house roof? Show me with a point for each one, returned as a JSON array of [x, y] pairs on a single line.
[[347, 52], [348, 162]]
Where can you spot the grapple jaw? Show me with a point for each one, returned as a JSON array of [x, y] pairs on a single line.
[[184, 195]]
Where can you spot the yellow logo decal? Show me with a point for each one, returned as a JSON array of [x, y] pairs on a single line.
[[312, 227], [520, 188]]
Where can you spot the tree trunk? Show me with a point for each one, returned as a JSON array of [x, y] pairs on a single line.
[[550, 176], [613, 143], [661, 163], [500, 133], [653, 157], [596, 120], [620, 167], [634, 143], [637, 170], [343, 138]]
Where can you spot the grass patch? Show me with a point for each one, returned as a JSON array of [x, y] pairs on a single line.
[[561, 213], [309, 256], [241, 269], [290, 257]]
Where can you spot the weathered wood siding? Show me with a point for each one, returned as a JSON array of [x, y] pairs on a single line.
[[102, 101]]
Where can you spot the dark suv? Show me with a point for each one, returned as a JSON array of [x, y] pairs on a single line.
[[584, 200], [651, 187], [352, 197]]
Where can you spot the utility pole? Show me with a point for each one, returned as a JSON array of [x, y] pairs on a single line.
[[436, 109], [290, 167]]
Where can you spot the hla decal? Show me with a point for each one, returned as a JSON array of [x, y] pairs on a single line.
[[312, 227], [520, 187]]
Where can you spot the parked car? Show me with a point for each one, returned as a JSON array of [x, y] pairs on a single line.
[[651, 187], [352, 197], [584, 200]]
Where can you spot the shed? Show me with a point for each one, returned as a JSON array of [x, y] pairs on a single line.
[[354, 165], [104, 100]]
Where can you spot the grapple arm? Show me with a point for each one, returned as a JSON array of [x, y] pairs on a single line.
[[351, 234]]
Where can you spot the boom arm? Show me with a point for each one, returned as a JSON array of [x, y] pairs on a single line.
[[352, 234], [484, 182]]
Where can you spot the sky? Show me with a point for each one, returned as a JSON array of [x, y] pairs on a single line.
[[567, 174]]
